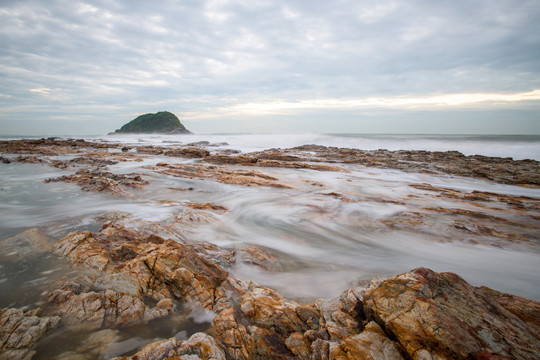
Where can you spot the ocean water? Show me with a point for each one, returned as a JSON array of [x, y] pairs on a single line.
[[324, 245], [515, 146]]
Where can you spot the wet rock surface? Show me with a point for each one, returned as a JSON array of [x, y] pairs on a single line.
[[97, 180], [221, 174], [20, 330], [133, 278], [133, 272], [50, 146], [503, 170], [439, 315]]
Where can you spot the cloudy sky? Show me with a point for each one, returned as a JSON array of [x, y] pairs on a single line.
[[74, 67]]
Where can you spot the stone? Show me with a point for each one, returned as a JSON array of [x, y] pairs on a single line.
[[370, 344], [417, 315], [439, 315], [221, 174], [21, 329], [187, 152], [97, 180]]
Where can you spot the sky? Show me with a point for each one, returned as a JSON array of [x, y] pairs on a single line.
[[86, 68]]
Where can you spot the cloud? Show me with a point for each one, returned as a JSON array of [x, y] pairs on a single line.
[[427, 102], [224, 54]]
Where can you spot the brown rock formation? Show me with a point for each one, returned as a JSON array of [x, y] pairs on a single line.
[[20, 330], [221, 174], [441, 316], [417, 315], [97, 180]]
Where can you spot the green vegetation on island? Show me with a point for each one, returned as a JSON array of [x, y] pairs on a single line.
[[162, 122]]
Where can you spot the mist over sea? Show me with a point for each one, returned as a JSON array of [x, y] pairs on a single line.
[[332, 249], [330, 230], [515, 146]]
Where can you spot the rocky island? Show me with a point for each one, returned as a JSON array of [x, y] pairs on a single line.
[[114, 276], [162, 122]]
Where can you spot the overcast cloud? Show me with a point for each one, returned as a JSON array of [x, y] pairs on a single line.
[[234, 66]]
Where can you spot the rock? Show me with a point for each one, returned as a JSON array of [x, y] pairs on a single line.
[[163, 349], [199, 346], [206, 206], [97, 180], [162, 122], [229, 159], [253, 159], [221, 174], [20, 330], [268, 309], [417, 315], [151, 150], [440, 316], [525, 309], [139, 277], [187, 152], [50, 146], [343, 316], [256, 256], [371, 344], [82, 307], [502, 170], [29, 159]]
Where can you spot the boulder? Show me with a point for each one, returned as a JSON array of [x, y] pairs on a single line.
[[21, 329], [440, 316]]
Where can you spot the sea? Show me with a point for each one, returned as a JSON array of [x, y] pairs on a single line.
[[325, 245]]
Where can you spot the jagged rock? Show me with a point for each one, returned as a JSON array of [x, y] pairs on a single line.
[[82, 307], [417, 315], [206, 206], [20, 330], [133, 268], [370, 344], [525, 309], [440, 316], [97, 180], [199, 346]]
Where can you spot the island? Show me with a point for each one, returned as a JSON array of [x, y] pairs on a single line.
[[162, 122]]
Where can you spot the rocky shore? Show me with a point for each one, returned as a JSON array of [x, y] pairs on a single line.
[[133, 272]]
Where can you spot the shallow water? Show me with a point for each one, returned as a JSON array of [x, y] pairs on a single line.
[[324, 244], [516, 146]]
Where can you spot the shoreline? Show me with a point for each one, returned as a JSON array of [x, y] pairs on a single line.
[[134, 273]]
